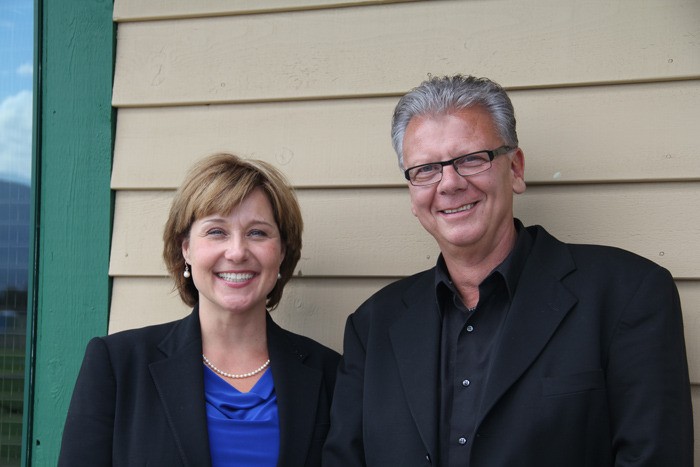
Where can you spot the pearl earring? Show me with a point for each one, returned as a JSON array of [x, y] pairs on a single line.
[[279, 276], [187, 271]]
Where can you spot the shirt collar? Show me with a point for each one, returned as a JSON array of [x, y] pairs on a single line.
[[510, 268]]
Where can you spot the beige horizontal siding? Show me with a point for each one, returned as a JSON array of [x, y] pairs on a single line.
[[689, 292], [388, 49], [142, 301], [658, 221], [319, 307], [586, 134], [313, 307], [371, 232], [139, 10]]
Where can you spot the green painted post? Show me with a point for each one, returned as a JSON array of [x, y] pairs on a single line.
[[74, 206]]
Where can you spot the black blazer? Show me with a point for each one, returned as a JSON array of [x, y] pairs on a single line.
[[589, 370], [139, 398]]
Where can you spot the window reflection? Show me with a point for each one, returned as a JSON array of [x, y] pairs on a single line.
[[16, 65]]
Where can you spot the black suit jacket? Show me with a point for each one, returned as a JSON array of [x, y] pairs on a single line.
[[589, 370], [139, 398]]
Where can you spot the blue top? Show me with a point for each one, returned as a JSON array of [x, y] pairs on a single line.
[[243, 426]]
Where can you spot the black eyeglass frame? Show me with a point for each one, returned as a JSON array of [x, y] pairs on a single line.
[[492, 154]]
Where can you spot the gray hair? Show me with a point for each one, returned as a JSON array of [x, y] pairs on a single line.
[[445, 94]]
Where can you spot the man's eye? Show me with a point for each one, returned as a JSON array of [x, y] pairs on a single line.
[[472, 160], [427, 169]]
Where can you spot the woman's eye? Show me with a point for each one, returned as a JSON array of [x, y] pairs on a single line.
[[257, 233], [215, 232]]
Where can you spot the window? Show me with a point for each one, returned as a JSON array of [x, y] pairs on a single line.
[[16, 66]]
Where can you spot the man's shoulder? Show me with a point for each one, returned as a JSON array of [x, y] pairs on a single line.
[[391, 302], [395, 297], [589, 256], [418, 282]]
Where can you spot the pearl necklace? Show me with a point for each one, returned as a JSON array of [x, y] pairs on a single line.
[[233, 375]]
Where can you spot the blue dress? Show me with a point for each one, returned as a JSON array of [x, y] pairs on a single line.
[[243, 427]]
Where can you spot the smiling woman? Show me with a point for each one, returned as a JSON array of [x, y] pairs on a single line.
[[16, 52], [255, 393]]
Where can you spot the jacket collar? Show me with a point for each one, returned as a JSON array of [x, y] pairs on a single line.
[[415, 338], [184, 403], [539, 305], [295, 384]]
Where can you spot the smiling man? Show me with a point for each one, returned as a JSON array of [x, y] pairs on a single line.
[[516, 349]]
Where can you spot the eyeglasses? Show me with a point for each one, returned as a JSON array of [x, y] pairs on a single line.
[[468, 164]]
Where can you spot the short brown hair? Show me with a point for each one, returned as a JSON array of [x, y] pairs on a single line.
[[215, 185]]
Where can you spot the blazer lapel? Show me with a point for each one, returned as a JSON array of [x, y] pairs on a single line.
[[179, 380], [539, 305], [297, 387], [415, 338]]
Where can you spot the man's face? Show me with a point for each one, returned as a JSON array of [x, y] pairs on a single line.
[[464, 214]]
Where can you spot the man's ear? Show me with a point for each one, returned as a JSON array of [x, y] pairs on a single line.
[[517, 168]]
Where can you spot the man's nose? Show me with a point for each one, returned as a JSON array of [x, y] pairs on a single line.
[[451, 179]]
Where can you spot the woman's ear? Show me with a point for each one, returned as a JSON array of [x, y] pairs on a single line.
[[186, 249]]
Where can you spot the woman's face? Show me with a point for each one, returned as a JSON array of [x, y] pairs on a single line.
[[235, 257]]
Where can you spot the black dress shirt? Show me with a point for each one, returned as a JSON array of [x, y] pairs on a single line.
[[468, 340]]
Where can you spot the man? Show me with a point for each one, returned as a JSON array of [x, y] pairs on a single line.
[[515, 350]]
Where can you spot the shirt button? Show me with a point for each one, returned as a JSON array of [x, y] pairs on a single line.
[[462, 441], [466, 383], [470, 328]]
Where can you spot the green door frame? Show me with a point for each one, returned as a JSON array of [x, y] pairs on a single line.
[[72, 209]]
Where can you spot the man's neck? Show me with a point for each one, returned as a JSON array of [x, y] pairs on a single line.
[[468, 267]]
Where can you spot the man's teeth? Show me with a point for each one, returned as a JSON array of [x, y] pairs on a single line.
[[466, 207], [231, 277]]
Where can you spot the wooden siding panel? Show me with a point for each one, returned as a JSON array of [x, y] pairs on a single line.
[[371, 232], [352, 52], [313, 307], [318, 308], [658, 221], [628, 132], [137, 235], [317, 143], [141, 301], [689, 292], [138, 10]]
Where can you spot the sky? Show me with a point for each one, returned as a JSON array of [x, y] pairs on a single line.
[[16, 63]]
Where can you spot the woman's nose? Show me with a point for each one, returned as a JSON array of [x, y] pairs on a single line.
[[236, 249]]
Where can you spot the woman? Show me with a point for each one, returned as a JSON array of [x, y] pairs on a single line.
[[224, 386]]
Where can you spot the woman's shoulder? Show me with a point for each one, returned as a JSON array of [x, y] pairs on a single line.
[[135, 341], [306, 346]]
